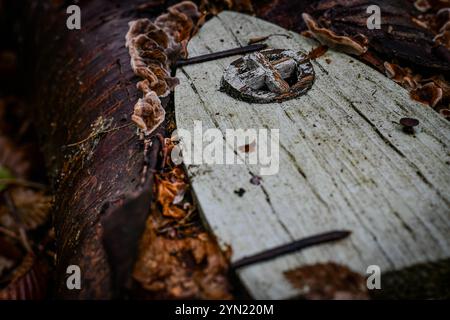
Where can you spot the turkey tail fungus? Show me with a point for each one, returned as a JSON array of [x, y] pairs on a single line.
[[85, 93]]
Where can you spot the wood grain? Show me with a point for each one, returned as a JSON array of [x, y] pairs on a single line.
[[344, 164]]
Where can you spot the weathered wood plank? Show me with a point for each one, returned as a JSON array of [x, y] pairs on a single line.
[[344, 164]]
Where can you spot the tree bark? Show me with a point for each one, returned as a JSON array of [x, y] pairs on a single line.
[[84, 93]]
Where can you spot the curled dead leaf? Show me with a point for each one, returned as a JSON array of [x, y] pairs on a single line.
[[445, 113], [33, 207], [189, 268], [422, 5], [429, 94], [443, 38], [442, 16], [10, 254], [442, 83], [28, 281], [171, 188], [332, 40], [420, 23]]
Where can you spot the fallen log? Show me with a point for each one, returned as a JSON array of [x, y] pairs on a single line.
[[84, 93], [401, 35]]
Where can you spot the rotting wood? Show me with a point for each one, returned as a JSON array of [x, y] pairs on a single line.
[[268, 76], [82, 77], [344, 163], [399, 37]]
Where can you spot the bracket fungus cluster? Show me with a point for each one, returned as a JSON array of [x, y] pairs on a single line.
[[154, 47], [403, 76]]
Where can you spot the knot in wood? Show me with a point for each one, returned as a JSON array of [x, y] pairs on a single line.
[[272, 75]]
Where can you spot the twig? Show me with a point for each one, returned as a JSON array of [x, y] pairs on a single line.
[[291, 247], [220, 54]]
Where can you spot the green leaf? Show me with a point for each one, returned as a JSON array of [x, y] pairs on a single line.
[[4, 174]]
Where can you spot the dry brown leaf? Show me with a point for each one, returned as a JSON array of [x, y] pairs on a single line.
[[445, 113], [189, 268], [442, 83], [28, 281], [443, 38], [170, 186], [10, 255], [429, 93], [33, 207], [422, 5], [355, 46]]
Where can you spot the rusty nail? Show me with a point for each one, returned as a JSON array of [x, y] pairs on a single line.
[[220, 54], [409, 124], [291, 247]]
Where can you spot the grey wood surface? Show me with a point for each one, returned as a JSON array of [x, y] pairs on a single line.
[[344, 164]]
